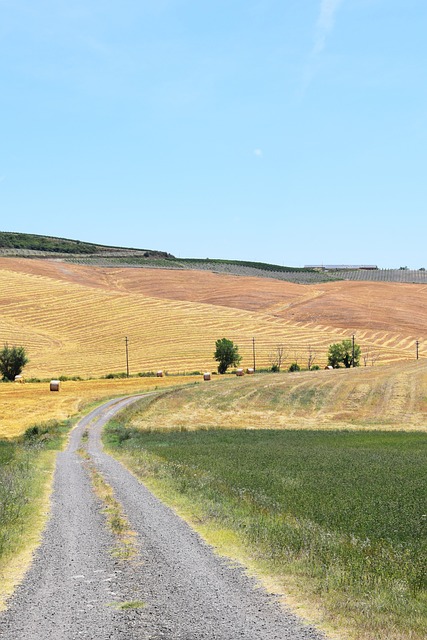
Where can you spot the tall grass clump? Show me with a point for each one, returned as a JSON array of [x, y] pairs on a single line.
[[15, 475], [344, 513], [22, 480]]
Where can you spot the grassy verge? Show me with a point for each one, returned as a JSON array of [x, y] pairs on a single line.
[[341, 516], [26, 471]]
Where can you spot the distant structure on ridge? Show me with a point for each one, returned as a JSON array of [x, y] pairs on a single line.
[[341, 267]]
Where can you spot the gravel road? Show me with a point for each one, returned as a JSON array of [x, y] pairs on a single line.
[[75, 586]]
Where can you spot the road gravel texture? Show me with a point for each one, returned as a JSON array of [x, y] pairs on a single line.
[[75, 586]]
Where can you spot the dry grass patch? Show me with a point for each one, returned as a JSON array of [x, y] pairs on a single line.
[[23, 405], [391, 397]]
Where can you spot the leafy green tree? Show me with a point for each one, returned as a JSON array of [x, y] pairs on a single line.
[[227, 354], [341, 354], [12, 361]]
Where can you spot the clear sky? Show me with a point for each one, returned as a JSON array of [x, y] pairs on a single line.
[[286, 131]]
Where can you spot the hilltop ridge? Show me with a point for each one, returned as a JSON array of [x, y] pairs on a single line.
[[33, 246]]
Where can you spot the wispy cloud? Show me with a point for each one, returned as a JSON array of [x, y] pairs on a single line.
[[324, 26], [325, 23]]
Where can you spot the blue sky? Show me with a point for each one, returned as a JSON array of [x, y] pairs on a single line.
[[286, 131]]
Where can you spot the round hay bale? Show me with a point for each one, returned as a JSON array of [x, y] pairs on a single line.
[[206, 376], [239, 372], [54, 385], [250, 371], [159, 374]]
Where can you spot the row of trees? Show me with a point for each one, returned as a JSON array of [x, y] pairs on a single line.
[[340, 354]]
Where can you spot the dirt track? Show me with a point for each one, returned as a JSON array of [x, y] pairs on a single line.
[[75, 586]]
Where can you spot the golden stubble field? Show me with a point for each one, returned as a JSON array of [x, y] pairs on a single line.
[[73, 319], [392, 397], [24, 405]]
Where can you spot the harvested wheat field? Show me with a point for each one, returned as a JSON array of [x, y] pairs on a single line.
[[25, 405], [392, 397], [73, 319]]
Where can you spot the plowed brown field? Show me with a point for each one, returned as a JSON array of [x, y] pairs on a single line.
[[73, 319]]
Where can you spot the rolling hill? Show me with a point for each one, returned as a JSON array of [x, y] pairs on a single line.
[[388, 398], [73, 319]]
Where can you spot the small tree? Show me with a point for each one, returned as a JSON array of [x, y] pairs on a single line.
[[311, 357], [227, 354], [341, 354], [374, 357], [370, 356], [12, 361], [276, 358]]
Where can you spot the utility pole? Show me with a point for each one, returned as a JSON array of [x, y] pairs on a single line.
[[127, 357], [417, 345], [352, 356], [253, 351]]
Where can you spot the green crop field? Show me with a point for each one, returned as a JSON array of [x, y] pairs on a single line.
[[342, 512]]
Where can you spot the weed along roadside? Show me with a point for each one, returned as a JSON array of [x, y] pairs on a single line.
[[335, 520], [26, 469]]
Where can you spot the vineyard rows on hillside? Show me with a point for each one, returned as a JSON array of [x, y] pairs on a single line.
[[384, 275], [78, 252], [298, 276]]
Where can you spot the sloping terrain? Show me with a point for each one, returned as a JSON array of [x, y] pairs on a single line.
[[74, 319], [386, 306], [391, 397], [30, 244]]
